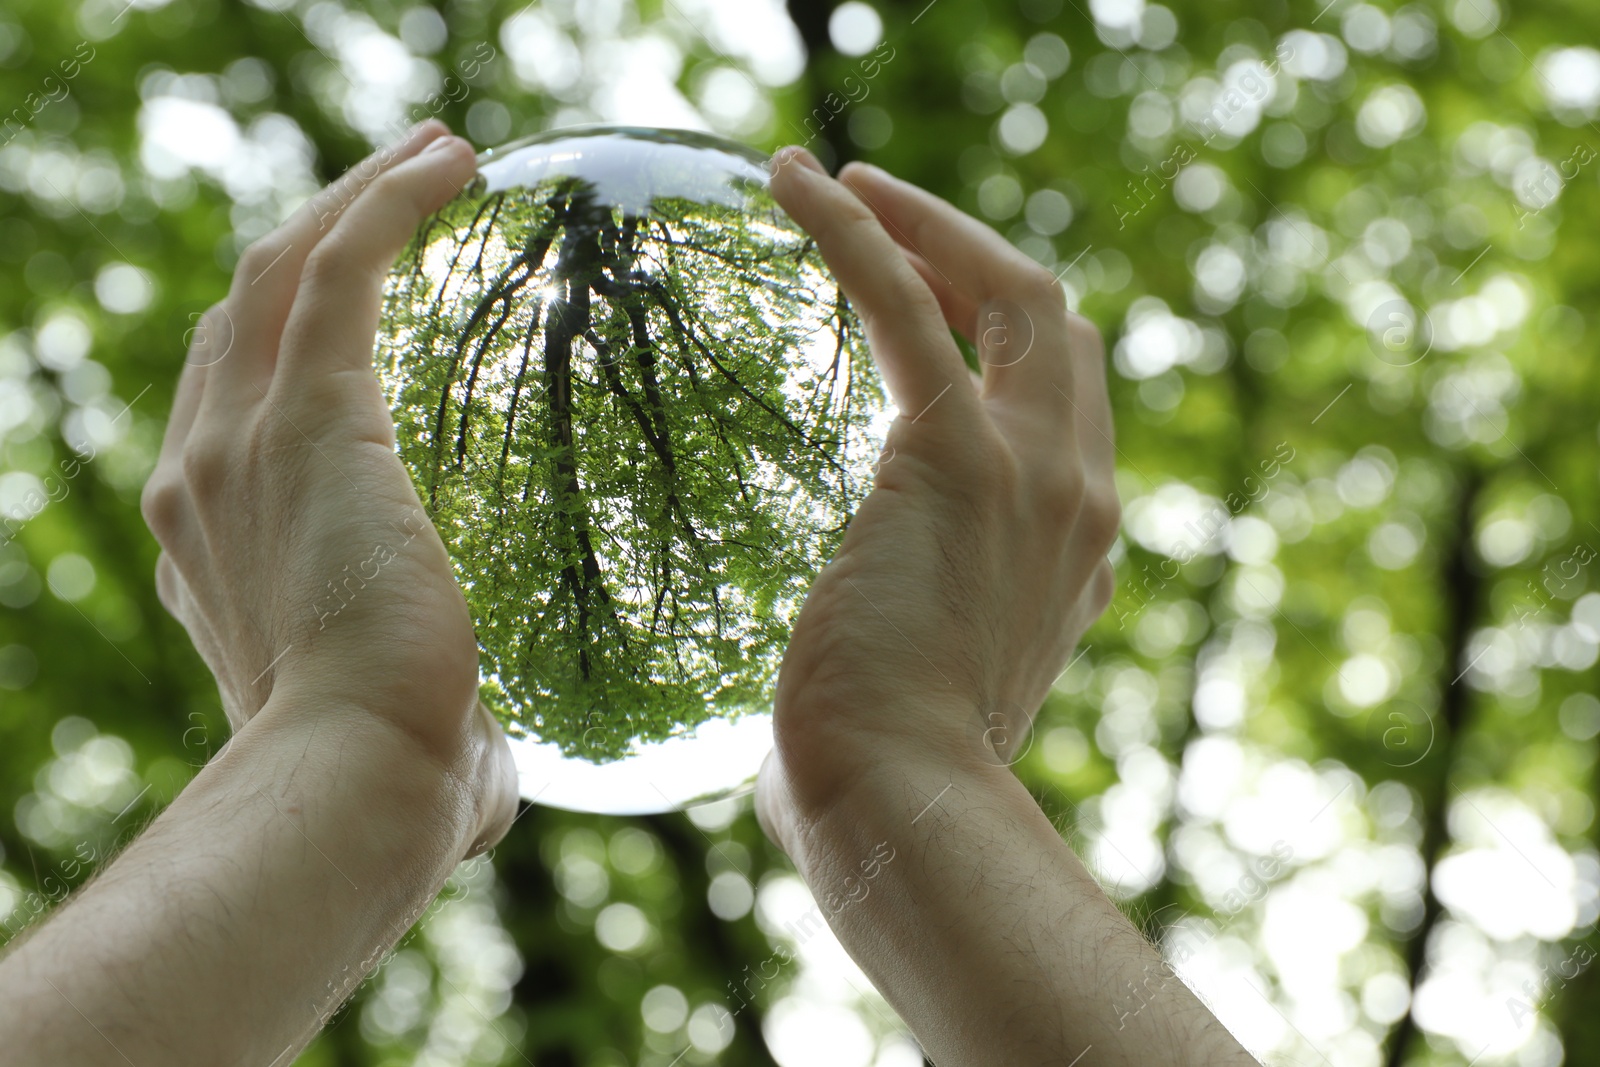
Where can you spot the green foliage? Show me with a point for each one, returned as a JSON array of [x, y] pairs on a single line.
[[640, 435], [1412, 643]]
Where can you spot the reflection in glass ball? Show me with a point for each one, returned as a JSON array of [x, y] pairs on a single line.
[[640, 413]]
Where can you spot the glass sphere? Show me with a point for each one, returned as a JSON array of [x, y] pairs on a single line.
[[640, 413]]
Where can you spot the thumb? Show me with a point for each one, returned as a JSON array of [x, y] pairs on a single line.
[[497, 800], [771, 811]]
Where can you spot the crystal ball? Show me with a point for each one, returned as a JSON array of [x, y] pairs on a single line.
[[640, 413]]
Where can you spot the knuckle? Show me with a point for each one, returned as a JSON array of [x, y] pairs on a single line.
[[1063, 492], [169, 585], [205, 469], [399, 189], [858, 214], [213, 316], [331, 260], [326, 207], [210, 338], [1084, 336], [259, 256], [1105, 587], [852, 218], [163, 503], [1101, 517], [1039, 284]]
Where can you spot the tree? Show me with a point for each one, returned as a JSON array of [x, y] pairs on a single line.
[[642, 427], [1389, 644]]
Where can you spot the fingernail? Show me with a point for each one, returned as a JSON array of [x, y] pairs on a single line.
[[780, 159], [806, 159], [445, 142], [410, 135], [796, 154], [871, 170]]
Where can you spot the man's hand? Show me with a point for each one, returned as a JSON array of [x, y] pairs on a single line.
[[970, 573], [296, 551], [927, 645], [362, 768]]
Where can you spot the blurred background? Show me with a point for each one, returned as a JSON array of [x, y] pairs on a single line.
[[1335, 742]]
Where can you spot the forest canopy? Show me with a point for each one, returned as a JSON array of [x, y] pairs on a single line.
[[1334, 744]]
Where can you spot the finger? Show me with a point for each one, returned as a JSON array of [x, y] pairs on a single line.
[[1029, 382], [335, 314], [169, 587], [164, 501], [186, 397], [981, 267], [179, 600], [268, 274], [498, 802], [1090, 398], [960, 310], [1103, 589], [910, 343], [175, 596], [960, 314], [968, 255], [770, 807], [1097, 511]]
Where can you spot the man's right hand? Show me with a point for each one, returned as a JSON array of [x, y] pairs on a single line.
[[295, 549]]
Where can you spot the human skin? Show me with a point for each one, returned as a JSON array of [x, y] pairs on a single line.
[[363, 769], [925, 647]]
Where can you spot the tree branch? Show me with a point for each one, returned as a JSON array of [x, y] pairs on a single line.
[[1463, 597]]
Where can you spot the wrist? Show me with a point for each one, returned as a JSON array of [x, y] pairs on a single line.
[[903, 793], [422, 789], [841, 746], [434, 709]]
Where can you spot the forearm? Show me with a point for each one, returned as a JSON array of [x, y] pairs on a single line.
[[987, 934], [250, 909]]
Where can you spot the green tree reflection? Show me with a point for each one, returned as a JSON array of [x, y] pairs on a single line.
[[640, 433]]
